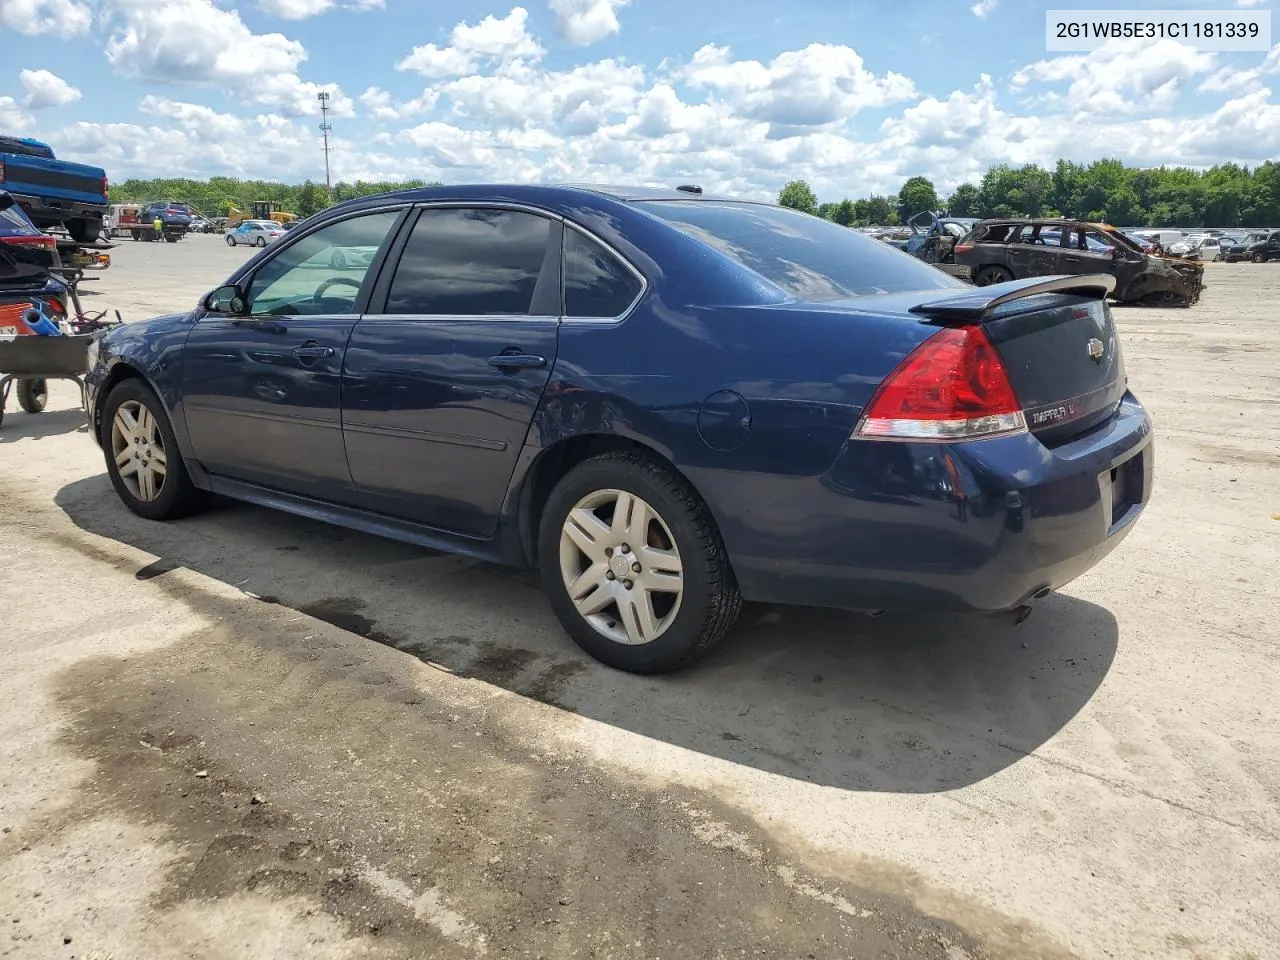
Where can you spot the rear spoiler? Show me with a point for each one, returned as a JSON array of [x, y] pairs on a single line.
[[978, 303]]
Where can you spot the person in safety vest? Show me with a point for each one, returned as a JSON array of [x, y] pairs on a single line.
[[159, 225]]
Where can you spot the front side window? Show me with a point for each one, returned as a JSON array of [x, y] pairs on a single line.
[[300, 279], [473, 263], [596, 284]]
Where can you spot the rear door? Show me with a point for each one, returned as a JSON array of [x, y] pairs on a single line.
[[1084, 251], [444, 374], [261, 391]]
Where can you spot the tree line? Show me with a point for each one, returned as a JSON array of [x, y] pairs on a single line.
[[215, 197], [1105, 190], [1225, 195]]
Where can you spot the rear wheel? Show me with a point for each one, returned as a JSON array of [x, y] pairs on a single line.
[[85, 230], [33, 395], [143, 459], [262, 242], [338, 260], [993, 274], [633, 564], [1258, 258]]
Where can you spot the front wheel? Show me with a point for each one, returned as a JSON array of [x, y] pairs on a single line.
[[231, 241], [633, 564], [989, 275], [143, 459], [33, 395]]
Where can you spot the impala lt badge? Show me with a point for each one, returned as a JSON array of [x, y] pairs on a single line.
[[1096, 349]]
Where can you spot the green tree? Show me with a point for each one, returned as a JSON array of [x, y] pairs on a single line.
[[311, 200], [827, 211], [798, 195], [916, 196], [845, 215], [880, 212], [965, 202]]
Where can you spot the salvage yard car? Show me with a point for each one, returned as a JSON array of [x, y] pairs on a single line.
[[668, 403], [1001, 250], [255, 233]]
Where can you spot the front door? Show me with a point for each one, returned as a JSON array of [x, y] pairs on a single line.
[[262, 390], [443, 378]]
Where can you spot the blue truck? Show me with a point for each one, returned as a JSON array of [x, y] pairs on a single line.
[[53, 192]]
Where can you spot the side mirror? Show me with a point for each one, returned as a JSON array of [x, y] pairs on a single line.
[[228, 299]]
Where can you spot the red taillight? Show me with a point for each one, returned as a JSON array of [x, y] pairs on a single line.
[[951, 387], [962, 247], [58, 307], [27, 240]]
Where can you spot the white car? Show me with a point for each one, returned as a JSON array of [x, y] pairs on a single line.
[[255, 233]]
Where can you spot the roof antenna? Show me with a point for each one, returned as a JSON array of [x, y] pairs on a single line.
[[689, 188]]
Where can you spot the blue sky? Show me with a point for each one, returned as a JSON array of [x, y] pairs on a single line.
[[738, 95]]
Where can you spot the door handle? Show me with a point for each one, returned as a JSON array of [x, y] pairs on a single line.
[[517, 361], [312, 351]]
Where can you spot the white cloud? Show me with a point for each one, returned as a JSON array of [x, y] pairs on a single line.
[[982, 9], [821, 84], [1121, 76], [12, 116], [302, 9], [491, 41], [195, 42], [584, 22], [45, 89], [1249, 3], [67, 18], [295, 9], [1233, 80], [378, 104]]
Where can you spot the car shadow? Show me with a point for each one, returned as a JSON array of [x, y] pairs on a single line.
[[903, 703], [20, 425]]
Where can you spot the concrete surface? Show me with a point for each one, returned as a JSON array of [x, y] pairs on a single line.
[[246, 735]]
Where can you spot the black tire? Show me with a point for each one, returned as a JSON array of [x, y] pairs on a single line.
[[85, 231], [992, 274], [33, 395], [177, 495], [231, 241], [710, 600], [338, 260], [262, 242], [172, 237], [1258, 258]]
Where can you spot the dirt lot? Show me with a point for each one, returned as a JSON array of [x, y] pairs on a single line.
[[248, 735]]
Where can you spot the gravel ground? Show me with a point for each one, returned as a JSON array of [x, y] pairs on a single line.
[[247, 735]]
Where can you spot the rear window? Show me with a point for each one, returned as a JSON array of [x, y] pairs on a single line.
[[806, 256], [13, 222]]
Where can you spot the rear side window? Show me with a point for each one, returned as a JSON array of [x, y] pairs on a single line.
[[807, 257], [596, 284], [471, 263]]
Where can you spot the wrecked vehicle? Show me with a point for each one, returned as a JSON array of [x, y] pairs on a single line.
[[1000, 250], [933, 235]]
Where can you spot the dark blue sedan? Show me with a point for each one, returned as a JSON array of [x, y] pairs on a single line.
[[669, 402]]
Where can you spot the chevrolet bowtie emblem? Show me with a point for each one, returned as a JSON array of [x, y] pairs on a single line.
[[1096, 349]]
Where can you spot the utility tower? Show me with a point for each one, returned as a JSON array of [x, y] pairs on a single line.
[[325, 127]]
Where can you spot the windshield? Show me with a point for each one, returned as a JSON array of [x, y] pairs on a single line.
[[806, 256]]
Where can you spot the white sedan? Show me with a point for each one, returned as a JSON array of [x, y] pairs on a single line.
[[255, 233]]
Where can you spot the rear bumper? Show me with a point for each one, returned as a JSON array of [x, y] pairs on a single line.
[[57, 210], [982, 526]]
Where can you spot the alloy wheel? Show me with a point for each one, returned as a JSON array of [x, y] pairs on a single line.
[[621, 567], [138, 449]]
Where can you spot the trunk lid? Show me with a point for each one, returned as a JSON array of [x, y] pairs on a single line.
[[1057, 340]]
